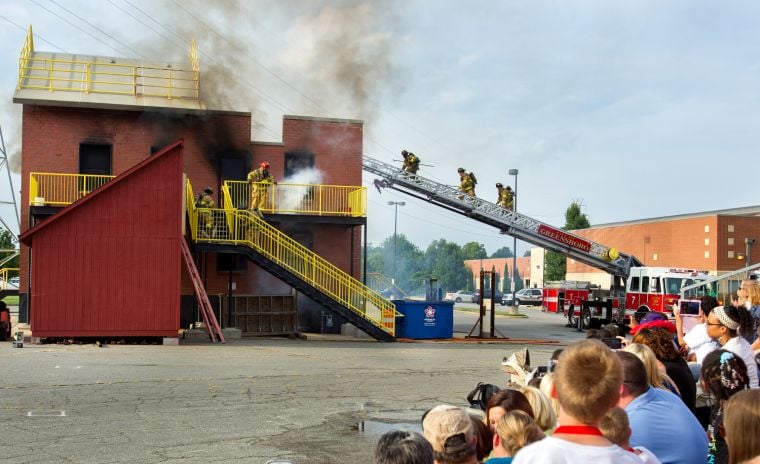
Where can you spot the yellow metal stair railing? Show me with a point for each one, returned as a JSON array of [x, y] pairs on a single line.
[[314, 199], [5, 274], [56, 189], [241, 227]]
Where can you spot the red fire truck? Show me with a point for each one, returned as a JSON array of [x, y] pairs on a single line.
[[647, 289]]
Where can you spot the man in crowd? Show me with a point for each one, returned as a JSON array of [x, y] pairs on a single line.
[[403, 447], [658, 418], [449, 430]]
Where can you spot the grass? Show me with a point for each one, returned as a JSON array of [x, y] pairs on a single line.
[[11, 300]]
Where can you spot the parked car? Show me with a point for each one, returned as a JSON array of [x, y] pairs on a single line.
[[526, 296], [476, 296], [14, 281], [458, 297]]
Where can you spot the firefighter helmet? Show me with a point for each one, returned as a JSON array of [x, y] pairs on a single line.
[[460, 170], [265, 165], [509, 188], [404, 152], [498, 184], [208, 190]]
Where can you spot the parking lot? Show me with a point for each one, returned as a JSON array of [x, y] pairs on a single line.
[[321, 400]]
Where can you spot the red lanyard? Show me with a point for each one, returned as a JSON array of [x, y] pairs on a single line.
[[578, 430]]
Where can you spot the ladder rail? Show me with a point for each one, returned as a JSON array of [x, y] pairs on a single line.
[[207, 313], [510, 222]]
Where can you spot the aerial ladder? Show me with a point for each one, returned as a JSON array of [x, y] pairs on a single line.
[[509, 222]]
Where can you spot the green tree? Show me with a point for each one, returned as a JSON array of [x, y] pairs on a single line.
[[445, 261], [474, 250], [407, 261], [526, 254], [7, 242], [506, 286], [556, 264], [503, 252], [518, 280]]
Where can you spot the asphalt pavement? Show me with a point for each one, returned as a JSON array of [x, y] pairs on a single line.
[[325, 399]]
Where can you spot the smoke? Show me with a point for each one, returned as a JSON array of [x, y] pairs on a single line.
[[10, 124], [293, 196]]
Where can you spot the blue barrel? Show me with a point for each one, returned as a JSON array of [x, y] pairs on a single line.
[[425, 319]]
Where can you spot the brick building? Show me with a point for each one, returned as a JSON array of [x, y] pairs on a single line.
[[713, 241], [74, 123]]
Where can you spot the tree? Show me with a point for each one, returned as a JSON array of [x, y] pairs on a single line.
[[556, 264], [506, 286], [474, 250], [7, 242], [526, 254], [444, 260], [407, 261], [503, 252], [518, 280]]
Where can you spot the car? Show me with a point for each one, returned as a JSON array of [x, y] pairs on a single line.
[[476, 296], [526, 296], [14, 281], [458, 297]]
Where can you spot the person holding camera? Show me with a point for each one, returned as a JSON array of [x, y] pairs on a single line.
[[724, 325]]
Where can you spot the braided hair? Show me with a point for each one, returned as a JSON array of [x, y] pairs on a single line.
[[724, 374]]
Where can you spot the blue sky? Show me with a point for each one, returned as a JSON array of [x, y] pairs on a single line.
[[636, 109]]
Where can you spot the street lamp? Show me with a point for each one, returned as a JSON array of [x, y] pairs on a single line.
[[395, 204], [747, 243], [513, 172]]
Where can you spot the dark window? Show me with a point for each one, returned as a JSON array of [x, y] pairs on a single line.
[[634, 284], [226, 262], [645, 284], [236, 169], [298, 161], [94, 159]]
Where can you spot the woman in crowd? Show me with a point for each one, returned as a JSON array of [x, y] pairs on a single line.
[[723, 375], [542, 408], [742, 425], [513, 431], [724, 325], [660, 340], [754, 311], [484, 437], [503, 402], [656, 373]]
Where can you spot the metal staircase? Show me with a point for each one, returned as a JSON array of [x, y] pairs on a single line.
[[245, 233], [509, 222]]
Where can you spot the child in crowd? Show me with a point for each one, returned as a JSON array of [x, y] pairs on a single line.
[[587, 383], [617, 429], [513, 431]]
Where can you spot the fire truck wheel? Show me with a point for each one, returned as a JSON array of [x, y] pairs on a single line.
[[586, 320]]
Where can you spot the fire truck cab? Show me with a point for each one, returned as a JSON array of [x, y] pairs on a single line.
[[657, 288]]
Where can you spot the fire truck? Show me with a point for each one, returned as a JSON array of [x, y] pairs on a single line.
[[632, 286], [647, 289]]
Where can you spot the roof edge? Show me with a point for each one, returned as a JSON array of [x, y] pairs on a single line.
[[323, 119]]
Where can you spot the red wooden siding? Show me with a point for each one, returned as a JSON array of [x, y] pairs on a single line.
[[110, 265]]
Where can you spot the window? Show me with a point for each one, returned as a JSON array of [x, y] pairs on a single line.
[[634, 284], [730, 254], [645, 284], [730, 241], [236, 168], [299, 160], [707, 229], [730, 227], [707, 242], [655, 285], [94, 159]]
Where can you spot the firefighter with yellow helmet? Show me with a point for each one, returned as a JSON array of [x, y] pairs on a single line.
[[259, 181], [205, 216], [466, 182], [506, 197], [411, 162]]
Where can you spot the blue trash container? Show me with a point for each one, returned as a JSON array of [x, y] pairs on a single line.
[[425, 319]]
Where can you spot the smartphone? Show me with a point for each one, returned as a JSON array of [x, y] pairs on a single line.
[[689, 307], [613, 343]]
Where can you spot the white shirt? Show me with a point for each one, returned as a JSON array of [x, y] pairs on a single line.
[[699, 342], [646, 455], [552, 450], [741, 347]]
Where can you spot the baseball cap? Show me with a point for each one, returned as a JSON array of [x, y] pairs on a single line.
[[654, 319], [449, 429]]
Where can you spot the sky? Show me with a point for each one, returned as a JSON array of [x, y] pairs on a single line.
[[633, 109]]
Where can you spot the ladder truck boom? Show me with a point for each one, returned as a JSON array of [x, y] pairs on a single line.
[[509, 222]]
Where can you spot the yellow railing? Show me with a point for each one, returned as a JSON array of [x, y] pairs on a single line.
[[316, 199], [93, 76], [234, 226], [54, 189], [6, 274], [192, 211]]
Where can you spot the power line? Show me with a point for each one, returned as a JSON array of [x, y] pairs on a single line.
[[35, 35], [180, 46]]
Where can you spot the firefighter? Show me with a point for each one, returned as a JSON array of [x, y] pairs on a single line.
[[466, 182], [411, 162], [259, 180], [505, 196], [206, 217]]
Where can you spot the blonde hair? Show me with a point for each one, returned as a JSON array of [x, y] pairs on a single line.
[[655, 377], [547, 384], [754, 295], [741, 419], [615, 426], [587, 379], [543, 411], [515, 430]]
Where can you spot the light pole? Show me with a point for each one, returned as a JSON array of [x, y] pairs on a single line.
[[747, 243], [513, 172], [395, 204]]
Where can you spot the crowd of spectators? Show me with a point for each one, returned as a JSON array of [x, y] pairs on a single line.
[[675, 392]]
